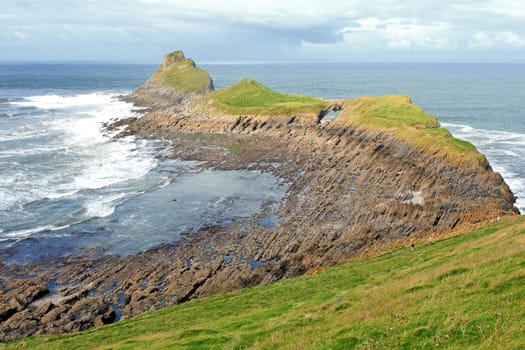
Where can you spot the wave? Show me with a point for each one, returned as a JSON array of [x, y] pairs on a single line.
[[58, 195], [505, 151], [64, 101], [102, 207], [21, 234], [490, 135], [61, 155]]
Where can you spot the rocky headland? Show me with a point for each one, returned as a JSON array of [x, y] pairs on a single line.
[[379, 173]]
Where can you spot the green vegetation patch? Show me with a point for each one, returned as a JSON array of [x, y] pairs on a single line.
[[410, 122], [183, 77], [181, 74], [252, 98], [459, 293], [391, 112]]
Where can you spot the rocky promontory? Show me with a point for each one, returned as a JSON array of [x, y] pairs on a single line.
[[364, 174]]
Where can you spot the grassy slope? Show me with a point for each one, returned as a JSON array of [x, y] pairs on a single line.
[[183, 76], [249, 97], [411, 123], [465, 292]]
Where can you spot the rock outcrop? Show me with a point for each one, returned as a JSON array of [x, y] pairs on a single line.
[[177, 80], [355, 185]]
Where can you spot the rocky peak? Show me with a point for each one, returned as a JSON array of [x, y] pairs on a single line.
[[173, 57], [176, 79]]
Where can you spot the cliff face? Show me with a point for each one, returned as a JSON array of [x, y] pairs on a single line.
[[382, 172]]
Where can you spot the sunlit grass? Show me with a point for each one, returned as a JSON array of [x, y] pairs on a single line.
[[183, 76], [406, 120], [249, 97]]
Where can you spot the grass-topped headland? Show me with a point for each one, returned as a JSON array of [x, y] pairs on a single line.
[[182, 75], [388, 112], [246, 97], [399, 115], [459, 293], [249, 97]]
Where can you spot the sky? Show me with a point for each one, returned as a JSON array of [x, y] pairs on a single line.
[[141, 31]]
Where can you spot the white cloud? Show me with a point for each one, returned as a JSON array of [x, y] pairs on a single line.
[[492, 40], [258, 29], [20, 35], [510, 39], [401, 33], [504, 8], [273, 13], [481, 40]]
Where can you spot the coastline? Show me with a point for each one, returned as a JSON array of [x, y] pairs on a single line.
[[351, 189]]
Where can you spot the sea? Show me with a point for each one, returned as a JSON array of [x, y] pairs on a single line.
[[66, 184]]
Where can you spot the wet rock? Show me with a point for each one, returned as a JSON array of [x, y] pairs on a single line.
[[45, 308], [29, 292], [54, 314], [107, 318], [7, 310]]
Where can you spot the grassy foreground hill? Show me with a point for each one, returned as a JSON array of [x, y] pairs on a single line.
[[464, 292]]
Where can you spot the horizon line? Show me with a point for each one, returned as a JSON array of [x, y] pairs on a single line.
[[261, 62]]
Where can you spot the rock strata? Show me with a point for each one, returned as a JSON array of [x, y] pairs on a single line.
[[351, 188]]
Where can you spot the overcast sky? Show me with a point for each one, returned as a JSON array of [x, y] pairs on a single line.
[[261, 30]]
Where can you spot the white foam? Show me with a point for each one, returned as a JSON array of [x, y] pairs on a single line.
[[505, 151], [103, 206], [499, 135], [62, 101], [57, 195], [66, 155], [20, 234]]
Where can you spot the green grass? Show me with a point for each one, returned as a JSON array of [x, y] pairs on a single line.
[[191, 80], [249, 97], [459, 293], [182, 74], [410, 122], [390, 112]]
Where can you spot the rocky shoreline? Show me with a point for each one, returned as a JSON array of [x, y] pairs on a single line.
[[350, 189]]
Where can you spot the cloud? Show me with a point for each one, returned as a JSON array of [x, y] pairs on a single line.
[[291, 14], [508, 9], [20, 35], [260, 29], [505, 39], [400, 34]]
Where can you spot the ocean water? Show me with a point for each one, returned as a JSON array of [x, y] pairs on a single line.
[[64, 183]]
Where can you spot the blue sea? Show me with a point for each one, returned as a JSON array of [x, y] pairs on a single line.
[[65, 183]]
